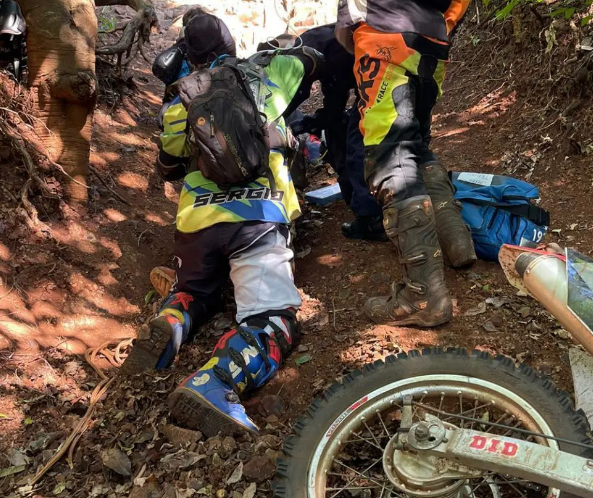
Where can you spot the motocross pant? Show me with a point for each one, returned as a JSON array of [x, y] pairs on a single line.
[[399, 79]]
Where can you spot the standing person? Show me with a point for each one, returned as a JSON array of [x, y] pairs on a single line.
[[400, 49], [344, 142], [237, 231]]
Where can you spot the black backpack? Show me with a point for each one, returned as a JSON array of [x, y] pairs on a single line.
[[229, 132]]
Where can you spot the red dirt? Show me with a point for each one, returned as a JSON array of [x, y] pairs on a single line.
[[89, 283]]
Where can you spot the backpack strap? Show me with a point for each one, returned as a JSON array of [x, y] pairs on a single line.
[[533, 213]]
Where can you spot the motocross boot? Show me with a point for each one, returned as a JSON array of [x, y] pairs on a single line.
[[162, 279], [422, 298], [243, 360], [365, 228], [454, 235], [157, 349]]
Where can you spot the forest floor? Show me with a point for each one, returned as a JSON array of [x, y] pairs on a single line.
[[88, 284]]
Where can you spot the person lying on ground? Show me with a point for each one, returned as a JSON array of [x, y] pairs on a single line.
[[400, 49], [239, 232], [344, 141]]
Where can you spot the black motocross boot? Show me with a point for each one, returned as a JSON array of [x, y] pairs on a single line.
[[422, 299], [454, 235], [365, 228]]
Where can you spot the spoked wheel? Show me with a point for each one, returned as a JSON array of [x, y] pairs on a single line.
[[346, 445]]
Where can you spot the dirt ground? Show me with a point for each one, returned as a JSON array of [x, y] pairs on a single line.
[[88, 284]]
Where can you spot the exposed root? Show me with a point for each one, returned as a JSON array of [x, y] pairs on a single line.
[[134, 35], [106, 185]]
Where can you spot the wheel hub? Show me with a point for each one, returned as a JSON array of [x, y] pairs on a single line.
[[419, 474]]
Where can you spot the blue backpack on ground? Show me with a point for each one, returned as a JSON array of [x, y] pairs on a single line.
[[500, 210]]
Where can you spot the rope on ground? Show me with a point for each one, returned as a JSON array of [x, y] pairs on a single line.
[[116, 359]]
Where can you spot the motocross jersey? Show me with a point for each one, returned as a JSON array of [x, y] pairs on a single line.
[[431, 18], [202, 203]]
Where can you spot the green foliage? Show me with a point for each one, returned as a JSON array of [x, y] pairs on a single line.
[[567, 10], [107, 24]]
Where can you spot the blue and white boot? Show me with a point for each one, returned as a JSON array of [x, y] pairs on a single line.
[[167, 332], [243, 360]]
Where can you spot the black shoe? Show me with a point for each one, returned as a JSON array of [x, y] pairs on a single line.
[[365, 228]]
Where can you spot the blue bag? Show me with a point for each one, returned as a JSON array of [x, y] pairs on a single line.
[[500, 210]]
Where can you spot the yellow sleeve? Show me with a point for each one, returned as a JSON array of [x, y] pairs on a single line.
[[174, 140]]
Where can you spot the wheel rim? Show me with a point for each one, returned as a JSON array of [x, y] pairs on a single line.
[[363, 427]]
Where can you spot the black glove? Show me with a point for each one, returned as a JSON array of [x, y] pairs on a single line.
[[308, 124]]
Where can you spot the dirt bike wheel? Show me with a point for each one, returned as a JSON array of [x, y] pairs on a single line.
[[347, 420]]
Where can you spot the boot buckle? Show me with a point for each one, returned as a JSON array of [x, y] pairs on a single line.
[[416, 287], [415, 259]]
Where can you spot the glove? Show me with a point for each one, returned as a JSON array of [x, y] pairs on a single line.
[[308, 124]]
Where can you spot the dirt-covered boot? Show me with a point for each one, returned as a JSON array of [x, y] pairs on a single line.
[[243, 360], [422, 299], [156, 348], [454, 235]]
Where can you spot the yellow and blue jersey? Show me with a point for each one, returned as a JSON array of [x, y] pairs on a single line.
[[201, 203]]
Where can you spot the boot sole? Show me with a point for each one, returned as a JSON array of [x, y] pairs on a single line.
[[417, 320], [195, 412], [462, 264], [146, 353], [161, 281]]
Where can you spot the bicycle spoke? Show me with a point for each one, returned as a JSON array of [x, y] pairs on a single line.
[[368, 441], [370, 432], [383, 424], [358, 474]]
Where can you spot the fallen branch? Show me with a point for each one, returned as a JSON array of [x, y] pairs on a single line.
[[104, 182]]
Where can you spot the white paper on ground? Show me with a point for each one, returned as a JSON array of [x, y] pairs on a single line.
[[476, 178]]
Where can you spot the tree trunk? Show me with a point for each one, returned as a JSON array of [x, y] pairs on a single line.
[[61, 57]]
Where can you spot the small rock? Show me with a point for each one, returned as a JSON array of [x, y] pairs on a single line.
[[272, 405], [545, 369], [259, 468], [272, 419], [497, 320], [489, 326], [214, 443], [228, 445], [236, 494], [302, 348], [273, 454], [563, 334], [345, 293], [478, 310], [179, 437], [195, 484], [497, 302], [525, 311], [221, 493], [268, 441], [223, 323], [117, 461], [380, 278]]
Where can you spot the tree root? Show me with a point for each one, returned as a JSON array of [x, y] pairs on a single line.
[[29, 212], [135, 34], [106, 185]]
